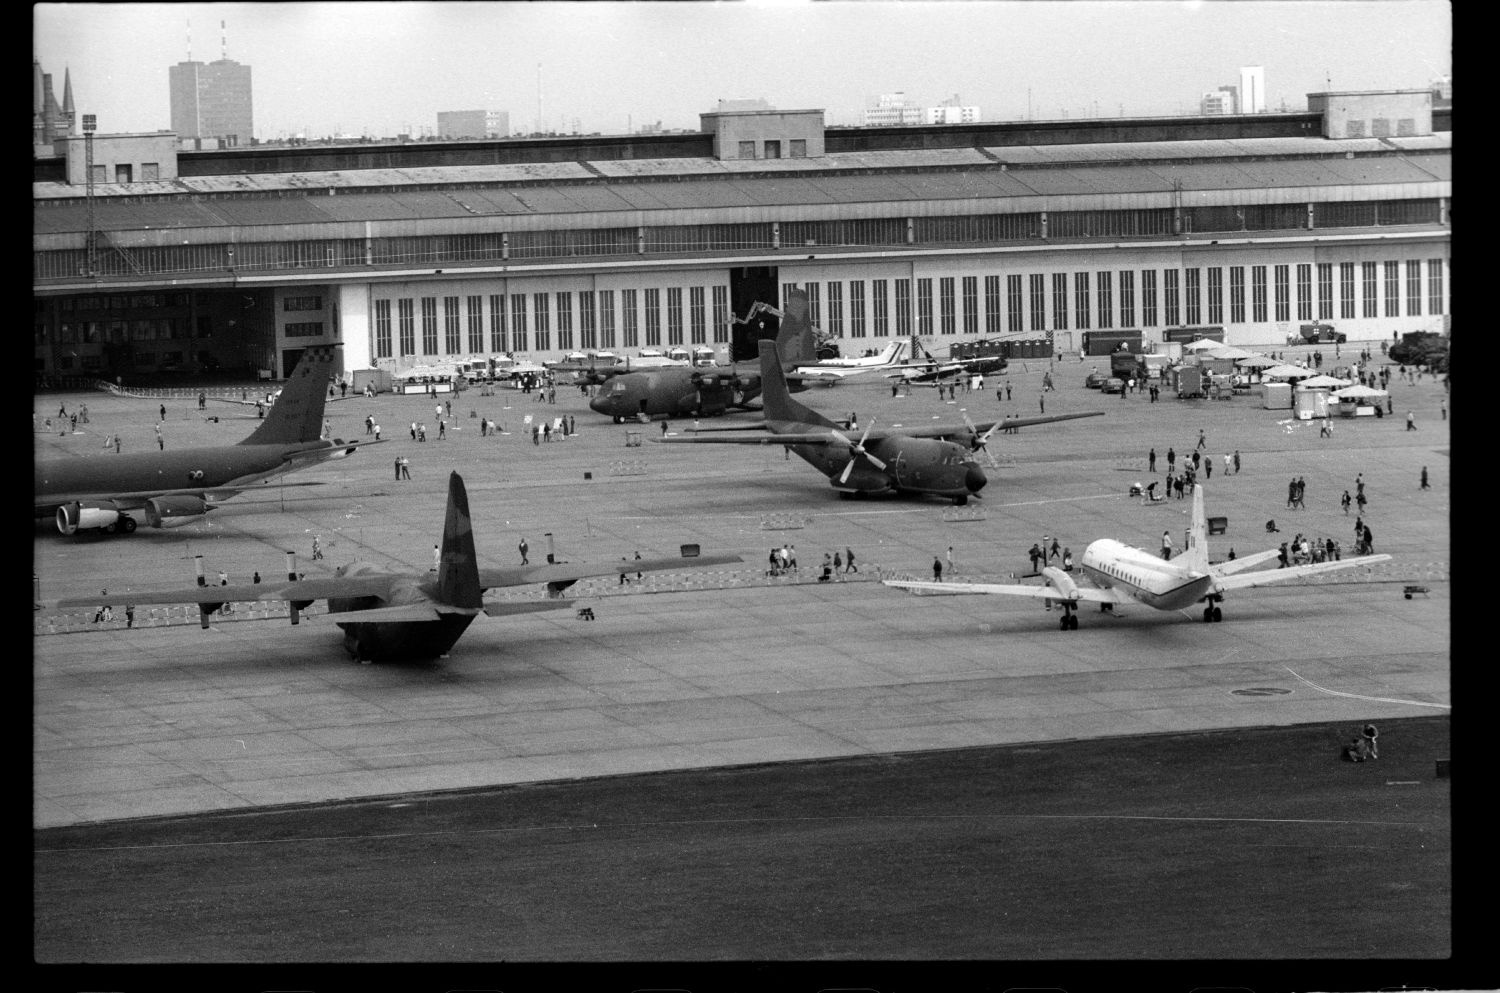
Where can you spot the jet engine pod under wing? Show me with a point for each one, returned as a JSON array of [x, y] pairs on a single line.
[[172, 511]]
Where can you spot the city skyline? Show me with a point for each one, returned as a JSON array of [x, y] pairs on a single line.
[[381, 69]]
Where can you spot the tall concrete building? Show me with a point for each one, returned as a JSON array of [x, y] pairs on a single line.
[[50, 121], [892, 108], [212, 100], [1224, 100], [1252, 89], [473, 124]]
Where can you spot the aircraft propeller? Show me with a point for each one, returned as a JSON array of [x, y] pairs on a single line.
[[855, 451], [978, 442]]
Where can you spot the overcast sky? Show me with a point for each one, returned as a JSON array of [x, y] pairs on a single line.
[[383, 68]]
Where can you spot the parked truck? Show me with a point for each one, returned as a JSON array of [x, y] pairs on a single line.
[[1107, 342], [1192, 381], [1316, 333], [1125, 364]]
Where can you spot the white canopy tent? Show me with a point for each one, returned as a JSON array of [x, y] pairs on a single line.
[[1202, 345], [1359, 392], [1287, 372], [1321, 382]]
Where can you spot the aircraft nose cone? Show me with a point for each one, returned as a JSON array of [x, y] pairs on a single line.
[[975, 479]]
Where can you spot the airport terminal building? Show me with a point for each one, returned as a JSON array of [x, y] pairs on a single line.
[[420, 253]]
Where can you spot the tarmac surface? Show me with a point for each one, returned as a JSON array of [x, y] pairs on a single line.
[[724, 666]]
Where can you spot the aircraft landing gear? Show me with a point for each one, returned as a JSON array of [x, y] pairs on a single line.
[[1069, 621], [127, 523], [961, 501], [1212, 614]]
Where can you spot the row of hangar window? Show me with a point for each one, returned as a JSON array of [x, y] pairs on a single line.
[[112, 259], [943, 305]]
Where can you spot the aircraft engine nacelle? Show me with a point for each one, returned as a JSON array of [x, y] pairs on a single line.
[[1062, 582], [172, 511], [75, 517], [339, 453]]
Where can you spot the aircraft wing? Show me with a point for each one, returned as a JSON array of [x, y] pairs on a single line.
[[727, 436], [239, 403], [571, 572], [1266, 577], [309, 589], [953, 430], [1089, 594], [741, 426], [824, 437]]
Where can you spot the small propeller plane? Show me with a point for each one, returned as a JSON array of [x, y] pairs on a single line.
[[906, 460], [390, 616], [702, 391], [1119, 574], [179, 486]]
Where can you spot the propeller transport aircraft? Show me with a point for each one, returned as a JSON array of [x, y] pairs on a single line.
[[702, 391], [831, 371], [176, 487], [1119, 574], [389, 616], [906, 460]]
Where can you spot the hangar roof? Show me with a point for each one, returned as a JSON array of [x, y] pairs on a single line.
[[684, 184]]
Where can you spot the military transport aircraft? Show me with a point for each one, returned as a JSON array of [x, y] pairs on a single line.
[[389, 616], [176, 487], [1120, 574], [703, 391], [907, 460]]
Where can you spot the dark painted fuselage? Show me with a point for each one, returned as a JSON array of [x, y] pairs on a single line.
[[675, 391], [394, 641], [912, 465], [62, 480]]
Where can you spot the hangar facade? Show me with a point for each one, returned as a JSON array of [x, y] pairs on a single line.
[[446, 252]]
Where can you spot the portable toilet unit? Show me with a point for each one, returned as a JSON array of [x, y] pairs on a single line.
[[1276, 396]]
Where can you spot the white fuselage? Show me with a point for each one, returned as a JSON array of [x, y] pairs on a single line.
[[889, 356], [1151, 579]]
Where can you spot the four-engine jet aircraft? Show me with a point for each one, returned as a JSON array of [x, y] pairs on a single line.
[[907, 460], [1120, 574], [176, 487], [388, 616], [703, 391]]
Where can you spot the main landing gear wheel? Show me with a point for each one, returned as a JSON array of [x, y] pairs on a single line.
[[1069, 622], [1212, 614], [128, 523]]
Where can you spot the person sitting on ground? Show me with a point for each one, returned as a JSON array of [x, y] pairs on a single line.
[[1271, 527]]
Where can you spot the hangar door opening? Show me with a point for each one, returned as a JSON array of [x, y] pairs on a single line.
[[748, 286]]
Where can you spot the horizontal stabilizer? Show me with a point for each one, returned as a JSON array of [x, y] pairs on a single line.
[[524, 607], [1090, 594], [564, 572], [405, 612], [1232, 566]]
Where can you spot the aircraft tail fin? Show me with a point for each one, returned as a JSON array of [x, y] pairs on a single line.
[[297, 414], [776, 399], [795, 341], [1195, 556], [458, 568]]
